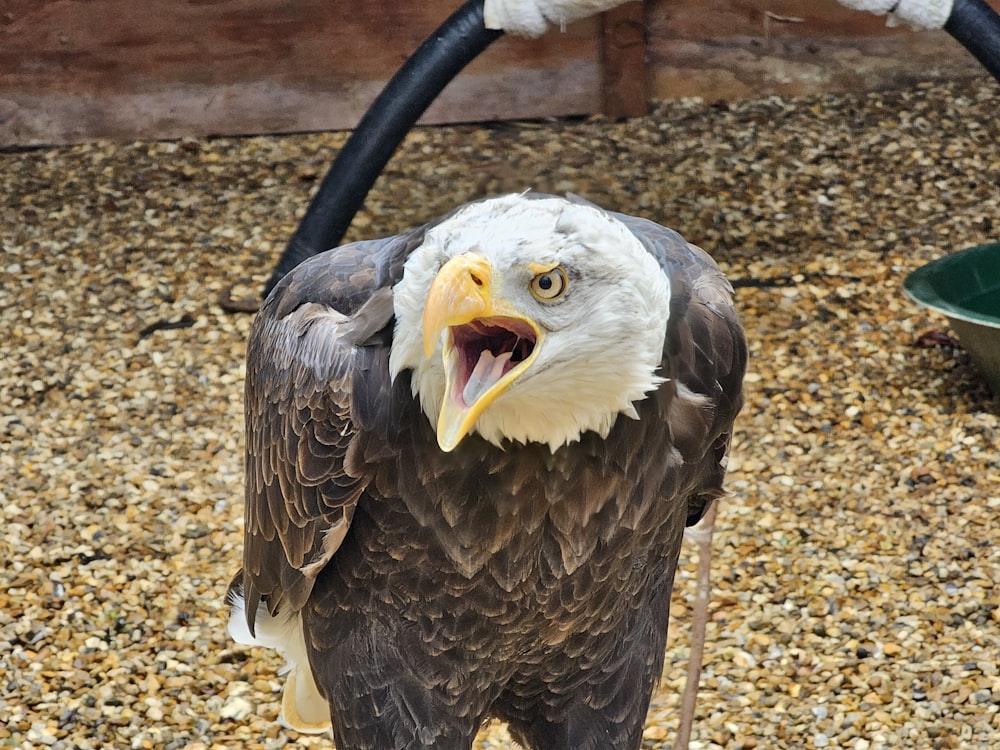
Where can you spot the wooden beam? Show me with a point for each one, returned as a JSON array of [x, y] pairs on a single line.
[[74, 71], [623, 61]]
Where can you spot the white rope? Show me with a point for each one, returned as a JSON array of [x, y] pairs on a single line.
[[921, 14], [533, 17]]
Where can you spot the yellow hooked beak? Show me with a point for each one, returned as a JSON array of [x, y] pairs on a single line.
[[486, 342]]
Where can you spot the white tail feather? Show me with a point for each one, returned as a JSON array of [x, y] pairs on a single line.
[[302, 707]]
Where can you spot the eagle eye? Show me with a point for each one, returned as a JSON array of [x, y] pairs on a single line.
[[550, 285]]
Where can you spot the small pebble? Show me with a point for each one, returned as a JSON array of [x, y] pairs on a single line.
[[236, 708]]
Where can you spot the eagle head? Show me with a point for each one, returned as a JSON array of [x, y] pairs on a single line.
[[529, 319]]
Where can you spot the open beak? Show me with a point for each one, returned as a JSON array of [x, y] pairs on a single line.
[[486, 343]]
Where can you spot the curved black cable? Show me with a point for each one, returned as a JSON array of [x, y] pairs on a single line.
[[404, 99], [977, 27]]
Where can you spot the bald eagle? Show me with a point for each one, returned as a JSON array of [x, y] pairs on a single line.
[[471, 452]]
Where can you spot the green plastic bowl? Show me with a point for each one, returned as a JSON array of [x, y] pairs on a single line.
[[965, 287]]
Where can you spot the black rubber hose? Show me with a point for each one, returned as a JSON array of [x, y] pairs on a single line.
[[404, 99], [977, 27]]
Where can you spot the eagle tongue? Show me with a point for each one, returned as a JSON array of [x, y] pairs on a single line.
[[472, 388], [488, 370]]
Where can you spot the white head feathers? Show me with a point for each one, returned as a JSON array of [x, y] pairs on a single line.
[[603, 339]]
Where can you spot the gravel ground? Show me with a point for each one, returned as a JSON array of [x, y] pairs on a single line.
[[856, 602]]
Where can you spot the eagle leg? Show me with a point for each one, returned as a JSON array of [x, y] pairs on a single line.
[[385, 691]]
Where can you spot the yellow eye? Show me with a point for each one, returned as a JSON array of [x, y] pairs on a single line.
[[550, 285]]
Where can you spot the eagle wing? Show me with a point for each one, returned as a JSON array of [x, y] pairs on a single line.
[[704, 357], [316, 359]]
